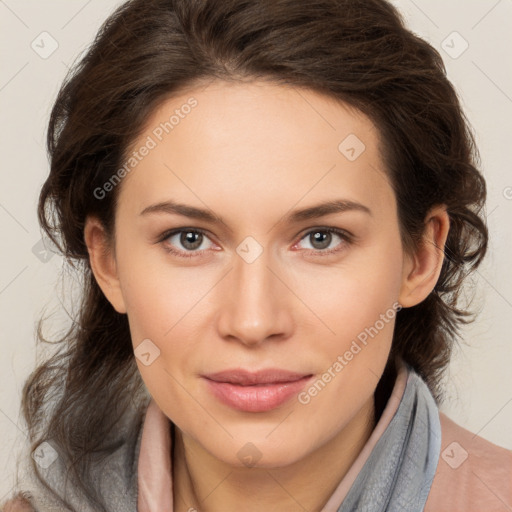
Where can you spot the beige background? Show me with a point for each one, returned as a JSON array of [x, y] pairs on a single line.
[[479, 382]]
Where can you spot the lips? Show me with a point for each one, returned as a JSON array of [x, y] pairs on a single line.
[[246, 378], [259, 391]]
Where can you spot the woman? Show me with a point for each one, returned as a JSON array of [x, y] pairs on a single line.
[[274, 206]]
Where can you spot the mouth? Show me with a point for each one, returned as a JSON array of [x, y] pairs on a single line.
[[255, 391]]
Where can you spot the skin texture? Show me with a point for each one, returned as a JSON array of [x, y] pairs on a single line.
[[251, 153]]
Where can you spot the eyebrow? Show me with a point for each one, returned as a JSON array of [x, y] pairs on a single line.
[[311, 212]]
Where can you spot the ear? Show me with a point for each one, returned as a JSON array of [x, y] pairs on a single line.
[[103, 262], [422, 269]]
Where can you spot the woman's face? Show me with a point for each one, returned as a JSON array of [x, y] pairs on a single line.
[[226, 261]]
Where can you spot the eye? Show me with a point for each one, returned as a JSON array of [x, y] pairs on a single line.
[[192, 242], [321, 238]]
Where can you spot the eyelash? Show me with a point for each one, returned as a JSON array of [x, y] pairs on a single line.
[[346, 237]]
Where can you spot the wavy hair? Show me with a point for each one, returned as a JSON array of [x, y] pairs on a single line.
[[356, 51]]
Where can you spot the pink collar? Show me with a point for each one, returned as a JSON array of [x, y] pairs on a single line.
[[155, 464]]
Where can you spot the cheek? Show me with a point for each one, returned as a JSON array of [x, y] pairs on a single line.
[[162, 307], [162, 313], [165, 305], [357, 305], [158, 294], [353, 295]]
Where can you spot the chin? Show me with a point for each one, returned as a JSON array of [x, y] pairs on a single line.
[[258, 452]]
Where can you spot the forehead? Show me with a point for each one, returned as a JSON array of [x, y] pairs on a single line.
[[237, 143]]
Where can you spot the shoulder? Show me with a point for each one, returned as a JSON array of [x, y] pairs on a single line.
[[17, 504], [472, 474]]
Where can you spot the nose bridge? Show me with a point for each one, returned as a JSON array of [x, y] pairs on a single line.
[[252, 305]]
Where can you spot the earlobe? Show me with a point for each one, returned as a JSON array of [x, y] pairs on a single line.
[[103, 264], [423, 268]]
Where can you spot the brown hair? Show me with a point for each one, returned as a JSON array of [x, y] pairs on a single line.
[[356, 51]]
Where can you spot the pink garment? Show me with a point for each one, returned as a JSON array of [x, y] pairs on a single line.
[[473, 474], [480, 483], [155, 464]]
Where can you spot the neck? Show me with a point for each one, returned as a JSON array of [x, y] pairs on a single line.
[[206, 484]]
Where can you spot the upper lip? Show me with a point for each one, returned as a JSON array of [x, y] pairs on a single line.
[[246, 378]]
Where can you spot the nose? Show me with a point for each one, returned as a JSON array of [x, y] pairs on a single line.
[[254, 302]]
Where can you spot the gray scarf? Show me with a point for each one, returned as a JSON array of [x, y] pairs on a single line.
[[400, 469], [396, 477]]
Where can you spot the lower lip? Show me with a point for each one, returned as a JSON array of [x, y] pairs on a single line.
[[258, 398]]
